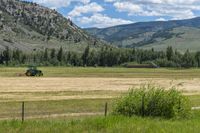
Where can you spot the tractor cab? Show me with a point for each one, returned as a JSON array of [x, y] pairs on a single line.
[[33, 71]]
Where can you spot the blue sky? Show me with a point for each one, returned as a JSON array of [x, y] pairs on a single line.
[[106, 13]]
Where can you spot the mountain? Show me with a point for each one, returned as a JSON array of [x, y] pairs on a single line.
[[181, 34], [28, 26]]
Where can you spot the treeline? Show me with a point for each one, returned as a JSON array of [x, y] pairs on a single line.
[[106, 56]]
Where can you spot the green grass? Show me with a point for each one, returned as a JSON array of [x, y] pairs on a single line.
[[195, 100], [88, 124], [105, 72], [12, 109], [111, 124], [39, 108]]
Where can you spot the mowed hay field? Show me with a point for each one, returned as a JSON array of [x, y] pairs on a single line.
[[77, 93], [62, 88], [105, 72]]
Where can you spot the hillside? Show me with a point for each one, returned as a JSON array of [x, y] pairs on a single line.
[[181, 34], [29, 26]]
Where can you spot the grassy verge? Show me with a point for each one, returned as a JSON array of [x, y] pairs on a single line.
[[195, 100], [33, 109], [39, 108], [105, 72], [99, 124], [111, 124]]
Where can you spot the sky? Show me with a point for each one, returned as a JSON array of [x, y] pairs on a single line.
[[107, 13]]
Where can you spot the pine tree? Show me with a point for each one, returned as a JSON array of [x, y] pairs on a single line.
[[60, 55], [6, 55], [85, 56], [46, 56], [169, 53], [197, 58], [188, 60], [53, 53]]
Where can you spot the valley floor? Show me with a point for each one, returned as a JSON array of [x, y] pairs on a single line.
[[65, 97]]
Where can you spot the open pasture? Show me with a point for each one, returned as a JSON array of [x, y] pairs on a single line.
[[81, 92], [106, 72], [66, 98], [55, 88]]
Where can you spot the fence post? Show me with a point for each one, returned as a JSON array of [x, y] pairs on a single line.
[[106, 109], [22, 112]]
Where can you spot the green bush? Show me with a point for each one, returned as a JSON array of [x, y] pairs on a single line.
[[153, 101]]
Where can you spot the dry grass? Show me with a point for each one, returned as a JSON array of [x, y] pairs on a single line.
[[62, 97], [35, 89], [82, 90]]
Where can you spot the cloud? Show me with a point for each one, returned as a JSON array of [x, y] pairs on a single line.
[[96, 17], [127, 7], [102, 20], [98, 13], [90, 8], [176, 9], [157, 1], [109, 0], [59, 3], [161, 19]]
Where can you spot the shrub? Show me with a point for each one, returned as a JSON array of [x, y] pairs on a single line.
[[153, 101]]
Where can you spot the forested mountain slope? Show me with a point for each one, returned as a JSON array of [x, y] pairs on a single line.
[[181, 34], [29, 26]]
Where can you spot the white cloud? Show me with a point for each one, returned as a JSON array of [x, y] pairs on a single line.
[[127, 7], [101, 21], [161, 19], [96, 18], [176, 9], [90, 8], [59, 3], [95, 13], [157, 1], [109, 0], [170, 1]]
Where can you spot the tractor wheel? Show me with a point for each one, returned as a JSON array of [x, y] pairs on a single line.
[[39, 74], [28, 74]]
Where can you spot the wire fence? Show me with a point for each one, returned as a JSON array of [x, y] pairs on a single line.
[[51, 109]]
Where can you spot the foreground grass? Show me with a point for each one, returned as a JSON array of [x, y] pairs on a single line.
[[105, 72], [111, 124], [37, 109], [88, 124]]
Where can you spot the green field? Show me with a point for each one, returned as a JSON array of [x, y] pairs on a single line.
[[111, 124], [79, 110], [105, 72], [100, 124], [63, 108]]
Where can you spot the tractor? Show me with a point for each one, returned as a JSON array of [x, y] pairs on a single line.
[[32, 71]]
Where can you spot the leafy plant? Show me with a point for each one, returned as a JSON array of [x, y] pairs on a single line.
[[153, 101]]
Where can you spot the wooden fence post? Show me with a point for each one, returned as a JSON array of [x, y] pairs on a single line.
[[22, 112], [106, 109]]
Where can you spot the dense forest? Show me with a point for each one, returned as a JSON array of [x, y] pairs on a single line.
[[106, 56]]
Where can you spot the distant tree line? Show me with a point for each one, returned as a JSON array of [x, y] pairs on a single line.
[[106, 56]]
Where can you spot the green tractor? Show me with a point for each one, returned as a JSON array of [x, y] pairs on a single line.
[[32, 71]]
